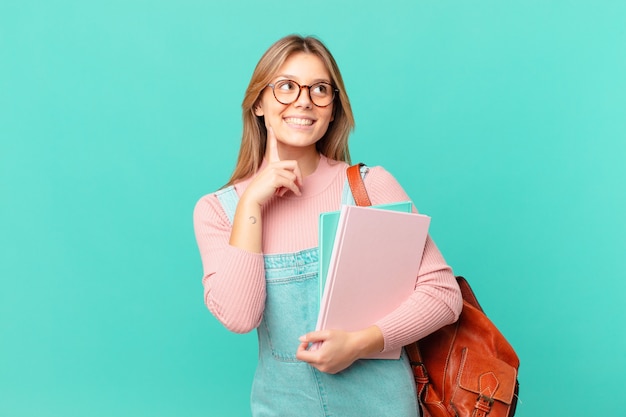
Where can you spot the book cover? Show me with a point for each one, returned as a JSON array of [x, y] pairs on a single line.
[[373, 267], [328, 229]]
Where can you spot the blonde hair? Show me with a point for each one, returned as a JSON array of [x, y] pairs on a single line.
[[334, 143]]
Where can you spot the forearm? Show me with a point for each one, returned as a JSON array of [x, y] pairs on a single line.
[[435, 303], [368, 341], [247, 227], [436, 300]]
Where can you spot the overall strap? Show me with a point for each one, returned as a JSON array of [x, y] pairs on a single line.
[[347, 198], [228, 198]]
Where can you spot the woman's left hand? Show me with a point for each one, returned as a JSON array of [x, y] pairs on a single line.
[[335, 350]]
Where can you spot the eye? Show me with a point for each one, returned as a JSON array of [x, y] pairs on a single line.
[[321, 89], [286, 85]]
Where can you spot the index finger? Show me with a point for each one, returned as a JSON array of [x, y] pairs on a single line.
[[272, 146]]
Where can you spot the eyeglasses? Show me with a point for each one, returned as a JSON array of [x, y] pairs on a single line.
[[288, 91]]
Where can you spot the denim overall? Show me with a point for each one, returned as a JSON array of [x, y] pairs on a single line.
[[284, 386]]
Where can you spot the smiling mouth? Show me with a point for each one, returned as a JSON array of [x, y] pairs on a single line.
[[299, 122]]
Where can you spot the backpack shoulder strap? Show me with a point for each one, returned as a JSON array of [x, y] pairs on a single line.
[[355, 174]]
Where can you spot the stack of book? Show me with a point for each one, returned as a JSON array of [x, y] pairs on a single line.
[[369, 261]]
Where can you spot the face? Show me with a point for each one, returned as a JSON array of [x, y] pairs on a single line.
[[299, 125]]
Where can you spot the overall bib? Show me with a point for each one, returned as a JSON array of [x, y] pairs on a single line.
[[284, 386]]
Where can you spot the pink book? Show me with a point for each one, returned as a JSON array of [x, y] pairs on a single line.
[[373, 267]]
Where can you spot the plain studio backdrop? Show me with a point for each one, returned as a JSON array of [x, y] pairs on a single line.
[[504, 121]]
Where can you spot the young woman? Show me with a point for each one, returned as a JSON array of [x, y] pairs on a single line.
[[258, 243]]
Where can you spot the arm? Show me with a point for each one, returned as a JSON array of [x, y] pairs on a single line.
[[436, 302], [276, 179], [234, 278], [234, 272]]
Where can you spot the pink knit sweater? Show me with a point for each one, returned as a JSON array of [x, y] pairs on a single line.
[[234, 279]]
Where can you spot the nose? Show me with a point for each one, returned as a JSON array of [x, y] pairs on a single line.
[[304, 98]]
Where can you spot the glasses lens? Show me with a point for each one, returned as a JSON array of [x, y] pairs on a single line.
[[286, 91], [322, 94]]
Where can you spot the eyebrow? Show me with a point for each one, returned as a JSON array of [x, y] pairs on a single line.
[[294, 77]]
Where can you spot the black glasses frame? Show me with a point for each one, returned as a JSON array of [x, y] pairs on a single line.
[[308, 87]]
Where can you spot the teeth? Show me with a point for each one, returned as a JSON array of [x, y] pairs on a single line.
[[302, 122]]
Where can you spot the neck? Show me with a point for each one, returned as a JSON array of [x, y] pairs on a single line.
[[307, 158]]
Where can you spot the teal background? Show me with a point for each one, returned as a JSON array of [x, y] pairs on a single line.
[[504, 120]]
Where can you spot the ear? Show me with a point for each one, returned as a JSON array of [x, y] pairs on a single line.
[[258, 110]]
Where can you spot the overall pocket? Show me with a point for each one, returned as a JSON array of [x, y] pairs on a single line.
[[291, 310]]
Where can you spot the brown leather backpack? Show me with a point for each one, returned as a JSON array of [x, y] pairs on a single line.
[[465, 369]]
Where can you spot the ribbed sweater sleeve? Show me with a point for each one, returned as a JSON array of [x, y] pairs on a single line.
[[233, 279], [437, 299]]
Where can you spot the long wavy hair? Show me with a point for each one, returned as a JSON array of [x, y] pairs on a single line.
[[334, 143]]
